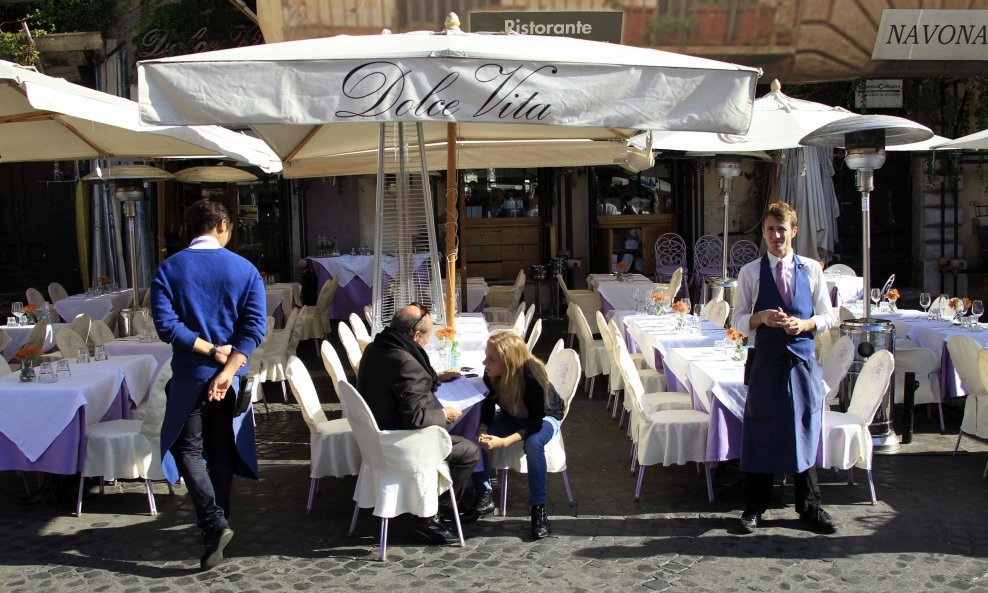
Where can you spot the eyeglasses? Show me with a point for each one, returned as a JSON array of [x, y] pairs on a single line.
[[425, 311]]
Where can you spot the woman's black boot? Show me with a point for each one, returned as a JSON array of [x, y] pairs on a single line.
[[540, 522]]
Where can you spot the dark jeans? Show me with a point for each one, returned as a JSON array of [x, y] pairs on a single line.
[[759, 491], [461, 461], [208, 431]]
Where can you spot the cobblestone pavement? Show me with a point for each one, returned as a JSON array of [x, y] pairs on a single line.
[[927, 532]]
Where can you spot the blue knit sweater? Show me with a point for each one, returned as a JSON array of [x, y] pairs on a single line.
[[213, 294]]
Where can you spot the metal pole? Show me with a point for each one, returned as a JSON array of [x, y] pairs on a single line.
[[130, 213], [727, 199], [866, 184]]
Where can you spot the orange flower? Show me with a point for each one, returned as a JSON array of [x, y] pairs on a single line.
[[952, 303], [893, 294], [445, 333], [27, 353], [967, 303], [621, 267], [30, 308], [658, 297], [104, 279], [680, 307], [731, 333]]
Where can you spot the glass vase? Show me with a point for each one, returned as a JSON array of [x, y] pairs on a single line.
[[892, 307], [27, 372]]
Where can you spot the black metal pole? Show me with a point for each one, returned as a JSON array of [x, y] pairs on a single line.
[[908, 407]]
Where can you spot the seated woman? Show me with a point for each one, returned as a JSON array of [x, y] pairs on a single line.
[[529, 410]]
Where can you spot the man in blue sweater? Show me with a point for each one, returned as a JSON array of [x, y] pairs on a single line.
[[209, 304]]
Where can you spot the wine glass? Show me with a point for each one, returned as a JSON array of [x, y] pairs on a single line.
[[977, 310], [17, 310], [959, 310], [876, 295], [924, 302]]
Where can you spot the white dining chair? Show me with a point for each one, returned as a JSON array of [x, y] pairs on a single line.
[[360, 331], [533, 338], [82, 325], [587, 300], [34, 297], [594, 359], [350, 345], [333, 449], [316, 323], [835, 366], [972, 368], [847, 439], [925, 365], [842, 269], [56, 292]]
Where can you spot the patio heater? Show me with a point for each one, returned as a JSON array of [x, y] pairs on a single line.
[[865, 139], [728, 167], [130, 194]]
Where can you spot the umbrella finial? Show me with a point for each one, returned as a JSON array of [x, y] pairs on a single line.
[[776, 86], [452, 22]]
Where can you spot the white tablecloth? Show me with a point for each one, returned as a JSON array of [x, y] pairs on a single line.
[[345, 267], [476, 292], [707, 373], [658, 335], [96, 307], [849, 288], [620, 295], [32, 415], [161, 351], [286, 294], [18, 335]]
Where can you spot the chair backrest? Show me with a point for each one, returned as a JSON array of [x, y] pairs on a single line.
[[81, 325], [350, 345], [533, 338], [4, 340], [36, 337], [334, 366], [146, 299], [717, 312], [922, 361], [519, 325], [562, 285], [846, 314], [363, 425], [34, 297], [519, 288], [4, 367], [605, 336], [938, 303], [559, 345], [154, 412], [670, 253], [983, 365], [295, 330], [100, 333], [633, 387], [836, 363], [324, 301], [582, 332], [870, 386], [359, 329], [964, 352], [742, 252], [142, 321], [56, 292], [708, 254], [529, 316], [564, 374], [369, 315], [843, 270], [888, 285], [675, 283], [69, 342], [305, 393]]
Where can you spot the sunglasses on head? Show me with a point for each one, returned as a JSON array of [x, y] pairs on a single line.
[[425, 311]]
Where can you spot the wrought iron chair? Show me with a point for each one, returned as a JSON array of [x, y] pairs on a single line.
[[742, 252], [708, 258], [670, 253]]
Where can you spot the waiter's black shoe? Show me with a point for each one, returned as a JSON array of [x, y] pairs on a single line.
[[431, 530], [818, 520], [749, 521], [215, 539]]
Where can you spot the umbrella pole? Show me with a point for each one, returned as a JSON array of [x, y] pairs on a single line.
[[451, 191], [727, 201]]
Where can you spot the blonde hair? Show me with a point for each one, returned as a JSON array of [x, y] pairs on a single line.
[[516, 357]]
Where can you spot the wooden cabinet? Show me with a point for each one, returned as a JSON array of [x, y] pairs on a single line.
[[496, 248], [647, 226]]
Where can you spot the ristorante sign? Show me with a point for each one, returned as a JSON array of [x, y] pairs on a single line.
[[932, 35], [591, 25]]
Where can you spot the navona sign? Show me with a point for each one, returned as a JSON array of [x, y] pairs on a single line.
[[932, 35]]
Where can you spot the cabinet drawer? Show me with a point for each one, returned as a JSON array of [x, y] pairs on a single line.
[[483, 253], [526, 235], [484, 237], [489, 270], [520, 251]]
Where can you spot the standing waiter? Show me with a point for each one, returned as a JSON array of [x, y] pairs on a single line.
[[778, 295]]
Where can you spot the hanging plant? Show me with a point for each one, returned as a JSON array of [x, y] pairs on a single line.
[[15, 47]]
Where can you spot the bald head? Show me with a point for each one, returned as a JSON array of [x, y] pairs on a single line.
[[412, 319]]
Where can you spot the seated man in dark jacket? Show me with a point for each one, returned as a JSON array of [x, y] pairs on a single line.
[[399, 385]]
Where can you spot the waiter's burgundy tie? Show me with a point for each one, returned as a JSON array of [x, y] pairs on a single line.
[[781, 284]]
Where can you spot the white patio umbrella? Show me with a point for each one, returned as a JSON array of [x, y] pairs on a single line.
[[975, 141], [49, 119], [493, 86]]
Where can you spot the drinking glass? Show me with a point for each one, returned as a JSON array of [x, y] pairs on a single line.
[[924, 302], [62, 369], [977, 310], [959, 310], [100, 353], [11, 321], [82, 356], [876, 295], [944, 302], [46, 374], [17, 310]]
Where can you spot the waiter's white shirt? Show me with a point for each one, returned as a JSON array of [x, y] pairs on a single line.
[[748, 282]]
